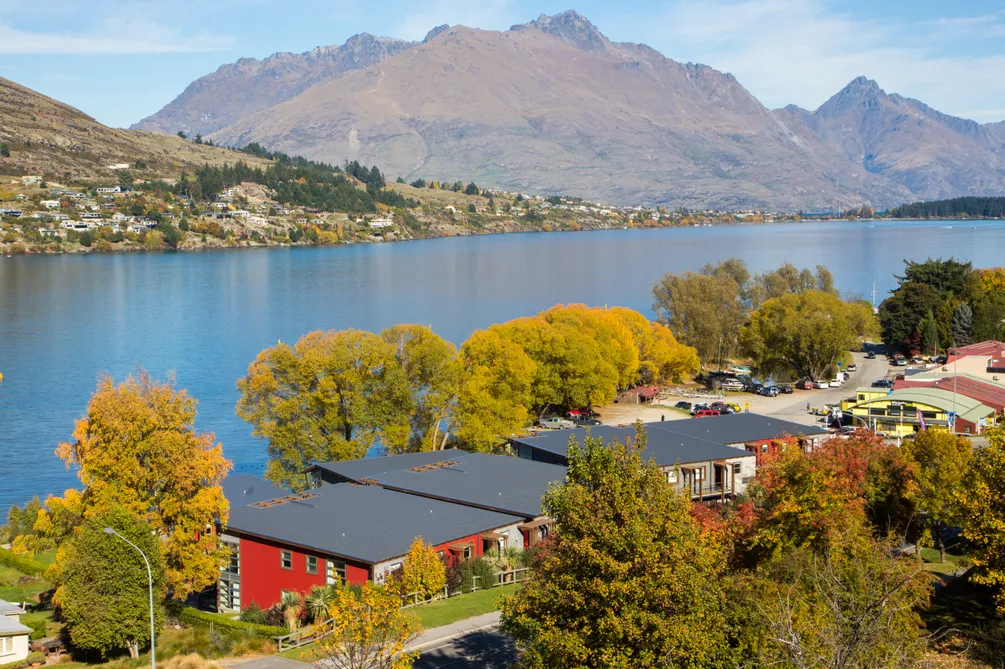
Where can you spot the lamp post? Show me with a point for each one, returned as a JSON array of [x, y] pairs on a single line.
[[150, 581]]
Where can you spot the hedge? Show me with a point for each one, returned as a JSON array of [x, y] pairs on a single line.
[[21, 564], [38, 629], [197, 618]]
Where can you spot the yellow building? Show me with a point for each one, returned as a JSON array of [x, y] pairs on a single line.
[[897, 412]]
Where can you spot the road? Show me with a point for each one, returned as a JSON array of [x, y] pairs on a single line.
[[482, 649]]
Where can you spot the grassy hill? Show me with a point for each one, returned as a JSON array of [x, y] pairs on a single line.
[[54, 140]]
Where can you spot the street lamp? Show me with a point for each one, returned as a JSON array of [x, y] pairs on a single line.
[[150, 580]]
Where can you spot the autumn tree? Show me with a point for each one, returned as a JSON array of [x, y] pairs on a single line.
[[137, 448], [628, 579], [432, 369], [103, 592], [804, 334], [940, 462], [982, 507], [367, 629], [328, 397], [662, 359], [495, 390], [853, 603], [422, 571], [986, 296]]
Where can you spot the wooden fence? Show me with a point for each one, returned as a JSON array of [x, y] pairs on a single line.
[[308, 635]]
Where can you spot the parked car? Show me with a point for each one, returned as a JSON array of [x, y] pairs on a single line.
[[882, 383], [805, 384], [686, 406], [871, 355], [899, 360], [583, 421], [785, 390], [699, 406], [836, 383], [732, 385], [853, 367], [821, 385], [767, 391], [556, 423], [706, 413]]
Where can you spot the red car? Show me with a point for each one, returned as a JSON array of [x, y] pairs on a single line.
[[705, 413]]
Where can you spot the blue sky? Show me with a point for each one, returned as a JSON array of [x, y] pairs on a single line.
[[120, 60]]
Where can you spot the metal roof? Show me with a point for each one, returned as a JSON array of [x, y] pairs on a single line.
[[9, 627], [365, 523], [6, 608], [366, 468], [966, 408], [986, 392], [497, 482], [683, 441], [241, 489]]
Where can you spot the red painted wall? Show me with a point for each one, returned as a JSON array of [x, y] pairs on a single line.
[[357, 573], [262, 577], [476, 539]]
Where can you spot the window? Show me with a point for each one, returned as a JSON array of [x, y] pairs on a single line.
[[736, 469], [286, 559], [6, 645], [312, 564], [467, 552], [336, 571], [671, 475], [235, 561]]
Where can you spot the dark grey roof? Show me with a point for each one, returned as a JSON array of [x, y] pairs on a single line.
[[241, 489], [366, 523], [495, 482], [357, 470], [683, 441]]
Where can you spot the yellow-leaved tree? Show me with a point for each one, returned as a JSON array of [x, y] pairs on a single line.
[[137, 448], [423, 571], [367, 629]]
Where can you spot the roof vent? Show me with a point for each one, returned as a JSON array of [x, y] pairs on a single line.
[[435, 465]]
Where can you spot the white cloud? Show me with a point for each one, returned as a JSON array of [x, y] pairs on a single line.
[[114, 35], [804, 51], [486, 14]]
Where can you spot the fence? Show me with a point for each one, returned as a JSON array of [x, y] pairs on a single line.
[[308, 635], [696, 394]]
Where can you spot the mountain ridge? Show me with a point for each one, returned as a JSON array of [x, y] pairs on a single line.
[[553, 105]]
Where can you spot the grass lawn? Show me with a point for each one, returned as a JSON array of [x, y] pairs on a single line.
[[955, 559], [451, 610], [11, 592]]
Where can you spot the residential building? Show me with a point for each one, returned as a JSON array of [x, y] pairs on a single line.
[[50, 204], [341, 532], [710, 458], [31, 181], [109, 189], [493, 482], [14, 636], [900, 413]]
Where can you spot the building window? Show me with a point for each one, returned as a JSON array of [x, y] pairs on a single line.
[[467, 552], [286, 559], [736, 469], [6, 645], [312, 564], [671, 475], [235, 561], [336, 571]]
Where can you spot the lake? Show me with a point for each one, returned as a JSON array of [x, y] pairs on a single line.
[[204, 316]]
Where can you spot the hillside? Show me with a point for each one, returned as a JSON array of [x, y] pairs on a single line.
[[46, 137], [554, 106]]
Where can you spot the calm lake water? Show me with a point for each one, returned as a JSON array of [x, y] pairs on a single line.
[[204, 316]]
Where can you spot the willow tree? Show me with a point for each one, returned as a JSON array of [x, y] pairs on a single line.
[[330, 396]]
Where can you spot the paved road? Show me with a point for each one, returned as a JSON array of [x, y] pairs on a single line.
[[483, 649]]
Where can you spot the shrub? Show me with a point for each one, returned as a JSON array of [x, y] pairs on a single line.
[[17, 249], [22, 564], [190, 661], [253, 614], [484, 571], [35, 658], [38, 629]]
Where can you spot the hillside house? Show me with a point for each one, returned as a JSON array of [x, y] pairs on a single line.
[[50, 204], [106, 190], [31, 181], [14, 636], [341, 532]]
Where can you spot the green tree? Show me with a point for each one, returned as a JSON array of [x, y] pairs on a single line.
[[901, 315], [628, 579], [963, 324], [103, 587], [930, 334], [22, 521], [328, 397], [495, 390], [982, 506], [804, 334], [853, 604], [946, 277], [431, 366], [941, 461], [471, 189]]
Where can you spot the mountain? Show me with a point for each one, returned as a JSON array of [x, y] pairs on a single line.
[[214, 101], [50, 138], [553, 106]]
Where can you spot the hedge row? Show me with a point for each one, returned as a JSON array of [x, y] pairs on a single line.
[[197, 618], [38, 629], [21, 564]]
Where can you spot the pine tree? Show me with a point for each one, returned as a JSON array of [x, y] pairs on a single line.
[[963, 324]]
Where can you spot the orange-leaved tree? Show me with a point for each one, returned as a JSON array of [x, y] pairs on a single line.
[[137, 448]]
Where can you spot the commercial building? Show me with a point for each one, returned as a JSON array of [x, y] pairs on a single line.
[[900, 413], [710, 458], [985, 359]]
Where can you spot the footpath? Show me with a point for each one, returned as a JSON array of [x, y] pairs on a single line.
[[439, 636]]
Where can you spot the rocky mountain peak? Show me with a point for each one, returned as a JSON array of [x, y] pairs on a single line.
[[435, 31], [860, 93], [570, 26]]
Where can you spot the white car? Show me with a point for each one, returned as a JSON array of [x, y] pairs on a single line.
[[836, 383], [557, 424], [820, 385], [733, 385]]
